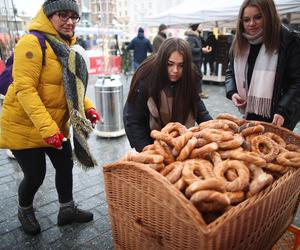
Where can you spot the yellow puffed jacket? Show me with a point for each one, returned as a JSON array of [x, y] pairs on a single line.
[[35, 107]]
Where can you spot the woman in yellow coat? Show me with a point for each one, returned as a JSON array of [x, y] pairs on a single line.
[[41, 104]]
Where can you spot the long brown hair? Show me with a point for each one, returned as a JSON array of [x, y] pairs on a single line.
[[154, 72], [271, 29]]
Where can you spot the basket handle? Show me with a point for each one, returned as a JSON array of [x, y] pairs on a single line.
[[138, 223]]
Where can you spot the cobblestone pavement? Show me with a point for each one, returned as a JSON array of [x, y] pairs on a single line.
[[88, 192]]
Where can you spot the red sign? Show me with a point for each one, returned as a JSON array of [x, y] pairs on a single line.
[[100, 65], [2, 66]]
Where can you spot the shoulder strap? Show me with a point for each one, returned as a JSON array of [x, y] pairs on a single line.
[[41, 37]]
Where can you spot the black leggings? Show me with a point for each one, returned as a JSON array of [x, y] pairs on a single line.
[[33, 165]]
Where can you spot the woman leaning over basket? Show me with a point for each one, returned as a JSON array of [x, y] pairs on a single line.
[[263, 76], [162, 90]]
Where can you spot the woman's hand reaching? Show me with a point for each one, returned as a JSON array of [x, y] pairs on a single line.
[[278, 120], [238, 101]]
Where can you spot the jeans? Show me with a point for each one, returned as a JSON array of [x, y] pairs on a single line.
[[135, 65]]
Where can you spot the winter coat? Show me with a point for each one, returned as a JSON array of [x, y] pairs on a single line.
[[35, 106], [140, 46], [136, 118], [158, 40], [213, 43], [286, 93], [196, 45]]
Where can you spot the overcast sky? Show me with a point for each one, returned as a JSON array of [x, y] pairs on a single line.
[[29, 6]]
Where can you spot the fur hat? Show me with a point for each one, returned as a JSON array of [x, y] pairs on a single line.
[[162, 27], [194, 26], [52, 6]]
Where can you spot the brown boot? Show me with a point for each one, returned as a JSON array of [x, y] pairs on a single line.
[[70, 214], [203, 95], [28, 221]]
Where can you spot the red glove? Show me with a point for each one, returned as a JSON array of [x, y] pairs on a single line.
[[56, 140], [93, 116]]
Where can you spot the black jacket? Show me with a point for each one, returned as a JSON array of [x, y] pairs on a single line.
[[286, 93], [136, 118], [195, 44], [140, 46]]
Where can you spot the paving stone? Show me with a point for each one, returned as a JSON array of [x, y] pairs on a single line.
[[90, 203], [103, 242], [8, 208], [7, 240], [47, 209], [9, 225], [82, 236], [4, 161], [5, 171], [29, 242], [6, 179], [103, 224]]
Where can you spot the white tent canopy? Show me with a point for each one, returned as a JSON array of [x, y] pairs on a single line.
[[191, 11]]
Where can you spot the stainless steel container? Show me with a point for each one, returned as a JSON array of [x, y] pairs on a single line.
[[109, 102]]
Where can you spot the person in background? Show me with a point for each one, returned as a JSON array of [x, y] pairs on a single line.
[[81, 42], [285, 21], [210, 57], [263, 76], [230, 38], [140, 46], [2, 51], [195, 42], [40, 105], [160, 37], [163, 90]]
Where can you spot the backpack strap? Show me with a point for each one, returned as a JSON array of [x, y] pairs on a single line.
[[41, 37]]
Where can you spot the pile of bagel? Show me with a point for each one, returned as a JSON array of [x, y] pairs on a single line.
[[219, 163]]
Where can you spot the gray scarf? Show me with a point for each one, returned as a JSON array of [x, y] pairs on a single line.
[[75, 78]]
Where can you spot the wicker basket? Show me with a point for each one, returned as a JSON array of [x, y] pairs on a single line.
[[147, 212]]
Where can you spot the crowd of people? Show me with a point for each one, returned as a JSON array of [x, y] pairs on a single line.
[[204, 50], [262, 78], [45, 99]]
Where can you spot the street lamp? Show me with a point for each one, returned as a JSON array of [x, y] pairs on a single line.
[[15, 11]]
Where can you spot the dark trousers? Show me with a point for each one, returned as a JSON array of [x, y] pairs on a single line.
[[33, 164], [211, 66], [200, 75]]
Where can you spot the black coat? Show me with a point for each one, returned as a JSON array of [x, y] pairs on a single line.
[[286, 93], [140, 46], [196, 45], [136, 118]]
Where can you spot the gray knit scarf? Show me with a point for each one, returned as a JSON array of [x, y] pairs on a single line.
[[75, 78]]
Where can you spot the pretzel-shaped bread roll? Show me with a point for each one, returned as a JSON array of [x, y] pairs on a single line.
[[233, 118], [265, 147], [187, 149], [173, 171], [209, 200], [163, 149], [243, 175], [196, 169], [260, 180]]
